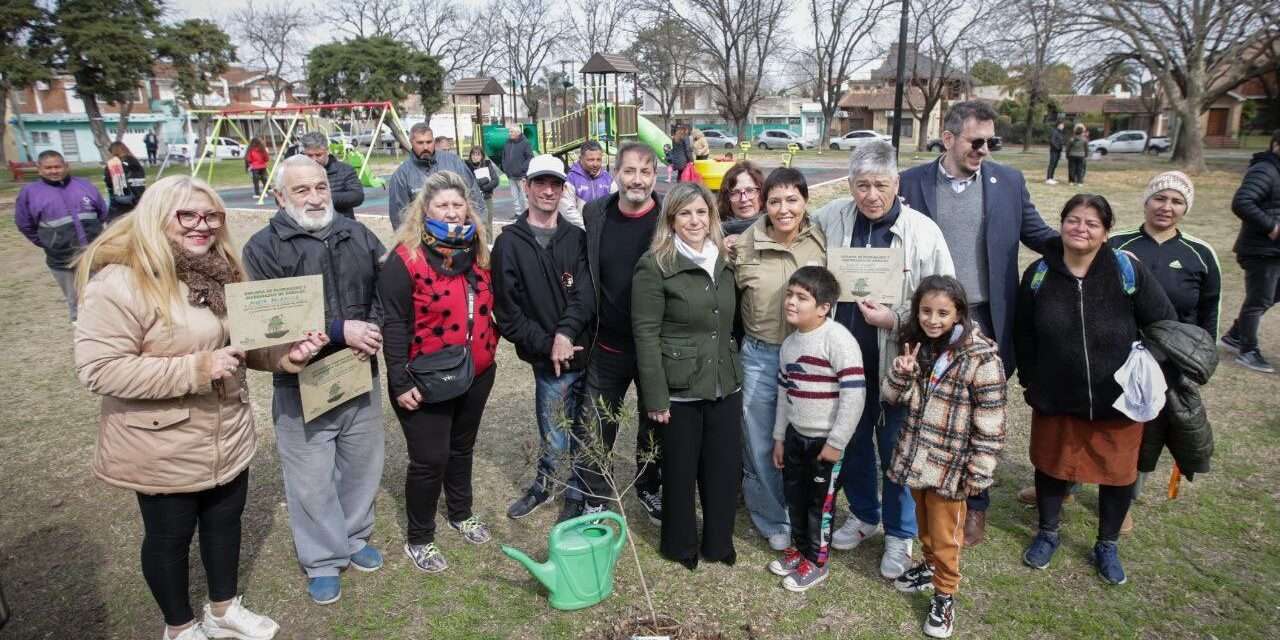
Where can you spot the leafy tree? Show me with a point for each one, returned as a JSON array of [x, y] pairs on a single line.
[[372, 70], [106, 45], [200, 52], [664, 53], [23, 28], [988, 72]]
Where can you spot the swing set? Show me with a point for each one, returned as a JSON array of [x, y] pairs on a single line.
[[303, 118]]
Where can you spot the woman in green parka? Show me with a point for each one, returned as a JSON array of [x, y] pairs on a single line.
[[682, 304]]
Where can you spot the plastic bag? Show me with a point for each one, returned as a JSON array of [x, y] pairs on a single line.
[[1142, 385]]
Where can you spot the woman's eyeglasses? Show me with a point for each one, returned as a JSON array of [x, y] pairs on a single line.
[[744, 194], [191, 219]]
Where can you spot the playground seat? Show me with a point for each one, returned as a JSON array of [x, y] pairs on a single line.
[[19, 170]]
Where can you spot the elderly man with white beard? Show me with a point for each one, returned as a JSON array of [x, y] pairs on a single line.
[[332, 464]]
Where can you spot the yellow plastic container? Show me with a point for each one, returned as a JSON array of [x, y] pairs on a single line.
[[712, 172]]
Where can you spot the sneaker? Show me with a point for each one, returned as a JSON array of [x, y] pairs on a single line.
[[1051, 181], [528, 503], [1106, 557], [897, 557], [367, 559], [652, 503], [1230, 341], [1038, 555], [941, 621], [780, 541], [916, 579], [239, 623], [193, 632], [1253, 359], [782, 567], [806, 575], [324, 589], [570, 510], [852, 533], [426, 557], [473, 530]]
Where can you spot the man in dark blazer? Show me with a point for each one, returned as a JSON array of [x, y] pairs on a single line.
[[984, 211]]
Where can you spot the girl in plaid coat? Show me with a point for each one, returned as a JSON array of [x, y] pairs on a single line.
[[952, 380]]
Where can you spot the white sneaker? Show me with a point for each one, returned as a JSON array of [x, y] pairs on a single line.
[[897, 557], [193, 632], [239, 623], [780, 541], [852, 533], [1051, 181]]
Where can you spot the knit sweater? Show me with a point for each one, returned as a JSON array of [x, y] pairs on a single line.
[[821, 384]]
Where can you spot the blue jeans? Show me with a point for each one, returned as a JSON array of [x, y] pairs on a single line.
[[761, 481], [557, 402], [877, 433]]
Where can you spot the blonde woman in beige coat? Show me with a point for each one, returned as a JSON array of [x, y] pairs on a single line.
[[176, 424]]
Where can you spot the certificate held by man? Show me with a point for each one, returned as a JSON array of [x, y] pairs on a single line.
[[868, 274], [264, 313], [331, 381]]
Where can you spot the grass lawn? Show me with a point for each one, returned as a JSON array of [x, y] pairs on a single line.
[[1203, 566]]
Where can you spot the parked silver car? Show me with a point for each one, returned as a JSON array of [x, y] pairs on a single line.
[[780, 139], [719, 139]]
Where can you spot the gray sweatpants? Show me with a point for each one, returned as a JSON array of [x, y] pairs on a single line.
[[66, 279], [332, 471]]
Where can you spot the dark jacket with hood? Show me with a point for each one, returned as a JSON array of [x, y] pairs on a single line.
[[408, 179], [344, 187], [348, 258], [489, 184], [516, 155], [541, 292], [1188, 356], [1257, 204], [1072, 335], [135, 182]]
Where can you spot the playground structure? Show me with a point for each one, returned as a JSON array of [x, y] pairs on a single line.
[[311, 119]]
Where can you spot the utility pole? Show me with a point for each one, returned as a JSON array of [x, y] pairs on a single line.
[[902, 70]]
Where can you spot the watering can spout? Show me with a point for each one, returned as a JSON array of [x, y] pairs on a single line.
[[545, 572]]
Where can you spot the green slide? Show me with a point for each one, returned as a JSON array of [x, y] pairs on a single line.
[[652, 135]]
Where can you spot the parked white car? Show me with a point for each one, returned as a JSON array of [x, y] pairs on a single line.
[[1132, 141], [222, 148], [854, 138], [780, 139]]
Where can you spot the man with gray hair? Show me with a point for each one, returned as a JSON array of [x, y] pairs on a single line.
[[516, 154], [875, 218], [345, 189], [333, 464], [423, 161], [984, 210]]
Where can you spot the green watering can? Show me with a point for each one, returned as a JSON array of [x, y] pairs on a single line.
[[582, 553]]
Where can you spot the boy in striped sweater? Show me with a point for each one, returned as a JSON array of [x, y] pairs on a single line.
[[821, 391]]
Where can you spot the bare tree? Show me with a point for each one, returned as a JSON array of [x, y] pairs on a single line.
[[938, 29], [367, 18], [841, 33], [735, 39], [526, 44], [597, 25], [444, 29], [272, 37], [1196, 50], [1038, 35], [665, 55]]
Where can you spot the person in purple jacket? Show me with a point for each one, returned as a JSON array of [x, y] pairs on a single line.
[[588, 180], [60, 214]]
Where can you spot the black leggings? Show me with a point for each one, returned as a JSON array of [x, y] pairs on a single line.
[[1113, 504], [441, 438], [169, 521], [259, 180], [702, 459]]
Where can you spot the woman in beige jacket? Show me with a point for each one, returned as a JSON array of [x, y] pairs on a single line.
[[176, 425]]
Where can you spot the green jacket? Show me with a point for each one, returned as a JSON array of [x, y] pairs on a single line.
[[683, 325]]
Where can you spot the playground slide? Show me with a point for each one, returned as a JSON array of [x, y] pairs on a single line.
[[652, 135]]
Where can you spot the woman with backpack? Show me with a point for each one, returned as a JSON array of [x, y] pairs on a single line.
[[1079, 311]]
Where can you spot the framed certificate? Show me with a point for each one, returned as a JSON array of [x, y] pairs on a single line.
[[331, 381], [868, 274], [264, 313]]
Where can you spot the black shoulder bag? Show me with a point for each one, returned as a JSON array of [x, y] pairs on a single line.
[[447, 373]]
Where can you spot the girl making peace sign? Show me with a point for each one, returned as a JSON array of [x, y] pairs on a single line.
[[951, 378]]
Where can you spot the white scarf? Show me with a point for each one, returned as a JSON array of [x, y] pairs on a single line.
[[705, 259]]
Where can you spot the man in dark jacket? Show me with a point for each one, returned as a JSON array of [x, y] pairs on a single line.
[[1257, 204], [152, 144], [333, 463], [1057, 140], [61, 214], [425, 160], [516, 154], [619, 230], [984, 211], [544, 304], [345, 189]]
